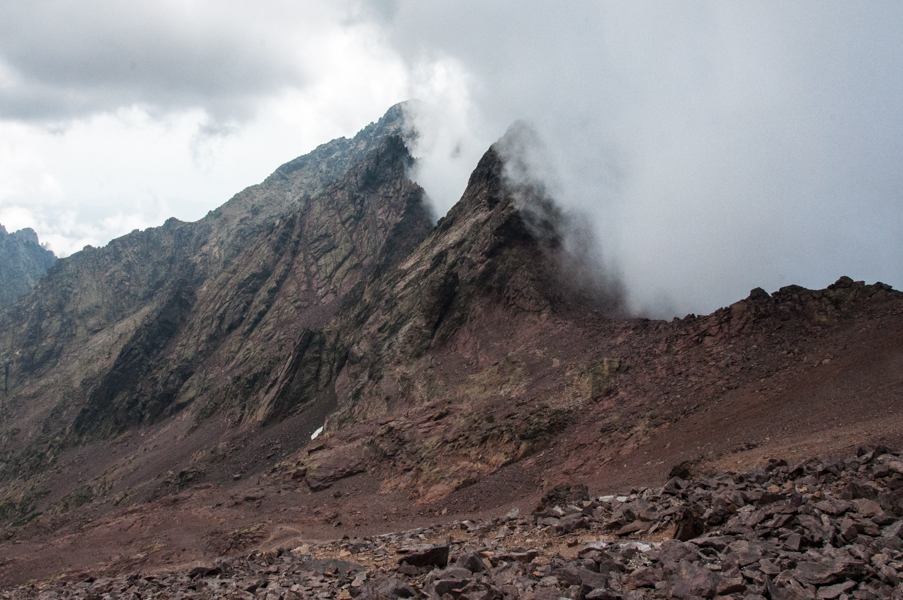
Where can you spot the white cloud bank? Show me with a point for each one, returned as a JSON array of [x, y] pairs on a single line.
[[717, 146], [714, 146]]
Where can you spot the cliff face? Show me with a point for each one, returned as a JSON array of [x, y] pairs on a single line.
[[23, 261], [205, 314]]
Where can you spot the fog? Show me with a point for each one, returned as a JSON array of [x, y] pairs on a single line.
[[710, 147], [715, 146]]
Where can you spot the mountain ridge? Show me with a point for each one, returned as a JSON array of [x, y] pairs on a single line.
[[445, 367]]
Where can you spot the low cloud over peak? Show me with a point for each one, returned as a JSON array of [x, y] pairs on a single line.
[[715, 147]]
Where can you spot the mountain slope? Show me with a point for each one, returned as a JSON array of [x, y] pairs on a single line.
[[474, 354], [23, 261], [164, 391], [201, 313]]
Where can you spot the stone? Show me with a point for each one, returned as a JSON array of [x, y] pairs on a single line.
[[437, 556], [447, 586], [735, 585], [473, 562], [831, 592], [868, 508], [693, 581], [392, 587], [894, 530], [793, 542], [203, 572], [689, 526], [642, 577], [819, 573]]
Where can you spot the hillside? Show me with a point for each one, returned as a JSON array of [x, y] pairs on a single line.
[[163, 392]]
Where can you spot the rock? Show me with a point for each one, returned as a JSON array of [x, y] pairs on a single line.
[[452, 573], [203, 572], [868, 508], [894, 530], [819, 573], [831, 592], [333, 465], [637, 526], [681, 470], [521, 557], [731, 586], [563, 494], [437, 556], [693, 581], [754, 554], [793, 542], [23, 261], [394, 588], [446, 586], [410, 570], [689, 526], [473, 562], [642, 577]]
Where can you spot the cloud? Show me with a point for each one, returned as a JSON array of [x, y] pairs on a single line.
[[716, 146], [115, 117], [61, 60]]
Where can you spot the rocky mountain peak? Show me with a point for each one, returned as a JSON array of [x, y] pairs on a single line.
[[27, 235], [23, 261]]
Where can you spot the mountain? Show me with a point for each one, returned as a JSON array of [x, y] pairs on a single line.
[[317, 357], [23, 261], [205, 313]]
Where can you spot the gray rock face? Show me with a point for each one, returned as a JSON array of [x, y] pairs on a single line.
[[23, 261]]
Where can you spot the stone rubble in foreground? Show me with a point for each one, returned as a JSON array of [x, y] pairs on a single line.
[[821, 530]]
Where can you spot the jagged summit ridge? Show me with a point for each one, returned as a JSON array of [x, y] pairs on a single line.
[[23, 261]]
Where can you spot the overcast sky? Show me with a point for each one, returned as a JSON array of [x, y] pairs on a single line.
[[714, 146]]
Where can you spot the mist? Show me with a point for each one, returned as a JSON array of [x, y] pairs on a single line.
[[708, 147], [714, 147]]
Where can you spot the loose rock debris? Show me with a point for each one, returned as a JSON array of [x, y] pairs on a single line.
[[819, 530]]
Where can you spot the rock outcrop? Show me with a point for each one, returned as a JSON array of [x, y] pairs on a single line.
[[23, 261]]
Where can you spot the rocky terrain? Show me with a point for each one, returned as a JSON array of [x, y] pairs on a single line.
[[818, 529], [318, 359], [23, 261]]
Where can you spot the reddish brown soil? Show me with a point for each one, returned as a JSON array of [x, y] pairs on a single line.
[[802, 394]]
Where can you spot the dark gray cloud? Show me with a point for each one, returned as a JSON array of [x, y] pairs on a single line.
[[61, 59], [717, 146]]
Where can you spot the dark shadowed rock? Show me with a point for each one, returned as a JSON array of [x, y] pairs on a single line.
[[437, 556], [563, 494], [689, 525], [473, 562]]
